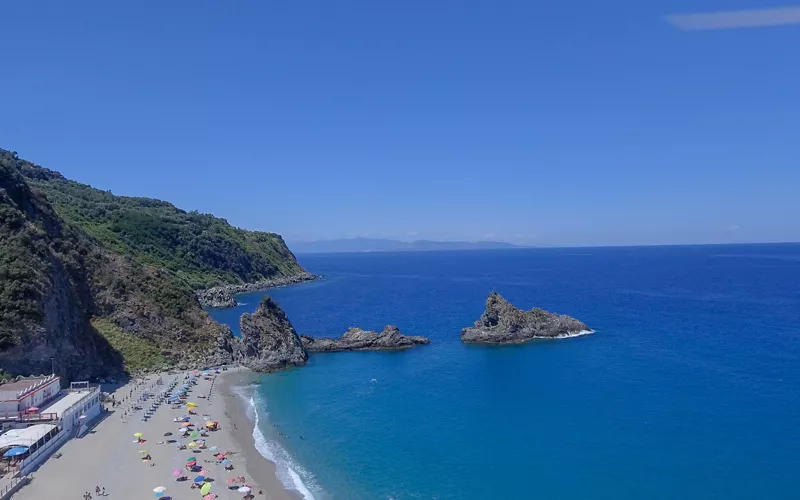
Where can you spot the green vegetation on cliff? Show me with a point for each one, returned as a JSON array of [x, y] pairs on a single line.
[[105, 284], [137, 354], [202, 249]]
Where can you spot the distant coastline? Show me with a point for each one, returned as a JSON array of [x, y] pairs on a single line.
[[365, 245]]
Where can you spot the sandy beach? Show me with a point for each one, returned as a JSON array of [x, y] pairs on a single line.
[[109, 455]]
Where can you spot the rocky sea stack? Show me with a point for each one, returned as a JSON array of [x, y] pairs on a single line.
[[356, 339], [269, 340], [502, 323]]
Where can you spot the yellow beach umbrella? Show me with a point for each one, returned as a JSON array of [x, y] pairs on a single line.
[[205, 489], [138, 435], [142, 451], [211, 424], [193, 405], [192, 444]]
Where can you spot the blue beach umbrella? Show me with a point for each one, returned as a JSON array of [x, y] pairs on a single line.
[[226, 462], [13, 452], [199, 479]]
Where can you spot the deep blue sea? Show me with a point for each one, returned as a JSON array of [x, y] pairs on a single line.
[[690, 387]]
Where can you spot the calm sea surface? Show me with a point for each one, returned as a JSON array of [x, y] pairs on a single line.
[[689, 389]]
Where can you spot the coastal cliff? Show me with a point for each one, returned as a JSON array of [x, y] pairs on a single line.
[[269, 340], [98, 285], [356, 339], [502, 323]]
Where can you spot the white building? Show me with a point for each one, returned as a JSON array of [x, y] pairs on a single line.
[[19, 397]]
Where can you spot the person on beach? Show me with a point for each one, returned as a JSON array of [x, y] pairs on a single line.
[[97, 490]]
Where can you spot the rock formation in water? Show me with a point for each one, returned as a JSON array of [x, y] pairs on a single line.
[[222, 296], [502, 323], [357, 339], [269, 340]]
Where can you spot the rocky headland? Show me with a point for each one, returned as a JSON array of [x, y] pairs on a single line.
[[502, 323], [222, 296], [356, 339]]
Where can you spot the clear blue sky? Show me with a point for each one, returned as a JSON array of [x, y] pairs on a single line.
[[540, 122]]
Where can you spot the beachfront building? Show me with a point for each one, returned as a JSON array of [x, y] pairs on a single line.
[[70, 415], [21, 400], [32, 438]]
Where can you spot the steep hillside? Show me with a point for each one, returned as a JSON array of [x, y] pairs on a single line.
[[202, 249], [95, 310]]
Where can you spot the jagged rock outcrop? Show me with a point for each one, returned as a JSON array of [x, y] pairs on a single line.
[[269, 340], [222, 296], [502, 323], [229, 349], [356, 339], [216, 297]]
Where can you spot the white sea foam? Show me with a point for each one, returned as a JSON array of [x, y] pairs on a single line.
[[570, 335], [286, 468]]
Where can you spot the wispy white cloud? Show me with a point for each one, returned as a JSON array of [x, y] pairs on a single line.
[[757, 18]]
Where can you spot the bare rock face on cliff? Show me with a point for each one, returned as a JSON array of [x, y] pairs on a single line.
[[269, 340], [357, 339], [502, 323]]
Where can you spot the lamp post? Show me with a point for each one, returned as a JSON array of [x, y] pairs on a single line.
[[53, 365]]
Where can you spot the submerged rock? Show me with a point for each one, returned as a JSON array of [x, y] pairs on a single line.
[[269, 340], [502, 323], [356, 339]]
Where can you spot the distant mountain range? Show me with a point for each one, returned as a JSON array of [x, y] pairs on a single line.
[[385, 245]]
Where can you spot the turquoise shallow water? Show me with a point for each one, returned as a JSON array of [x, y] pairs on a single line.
[[690, 387]]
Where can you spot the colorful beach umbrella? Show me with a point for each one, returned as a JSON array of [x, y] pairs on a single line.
[[191, 459], [205, 489], [192, 444], [214, 448], [199, 479], [159, 489], [226, 462], [138, 435], [210, 496], [177, 473], [192, 405], [244, 489], [142, 451]]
